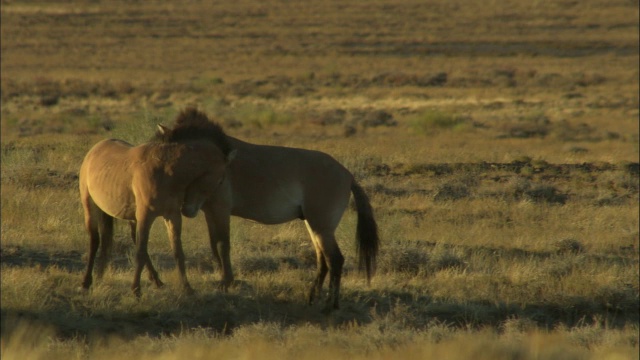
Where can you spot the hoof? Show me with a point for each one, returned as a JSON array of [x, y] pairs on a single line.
[[224, 286], [331, 304], [327, 310]]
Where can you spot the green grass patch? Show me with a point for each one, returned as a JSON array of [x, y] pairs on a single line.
[[431, 122], [141, 126], [260, 115]]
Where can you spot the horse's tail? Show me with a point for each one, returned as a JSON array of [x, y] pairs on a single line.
[[367, 232]]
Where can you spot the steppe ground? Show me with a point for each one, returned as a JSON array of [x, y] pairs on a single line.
[[497, 140]]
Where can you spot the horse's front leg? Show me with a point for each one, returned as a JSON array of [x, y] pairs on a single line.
[[144, 221], [174, 229], [218, 223], [153, 273]]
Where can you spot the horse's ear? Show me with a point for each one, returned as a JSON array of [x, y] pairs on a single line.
[[162, 130], [231, 155]]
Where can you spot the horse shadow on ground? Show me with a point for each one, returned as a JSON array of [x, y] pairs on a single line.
[[214, 310], [222, 313]]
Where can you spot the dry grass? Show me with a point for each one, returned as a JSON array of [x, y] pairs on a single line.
[[498, 143]]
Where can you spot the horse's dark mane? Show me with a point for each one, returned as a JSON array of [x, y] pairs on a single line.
[[192, 124]]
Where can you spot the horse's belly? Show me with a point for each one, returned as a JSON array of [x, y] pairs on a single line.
[[269, 214], [120, 205]]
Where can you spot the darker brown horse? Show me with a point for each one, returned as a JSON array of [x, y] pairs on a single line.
[[172, 175], [273, 185]]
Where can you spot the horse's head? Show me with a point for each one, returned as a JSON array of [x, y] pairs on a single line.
[[208, 183], [196, 194], [209, 151]]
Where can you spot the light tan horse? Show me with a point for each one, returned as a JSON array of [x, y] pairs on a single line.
[[273, 185], [172, 175]]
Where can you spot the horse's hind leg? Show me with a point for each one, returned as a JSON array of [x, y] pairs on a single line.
[[334, 260], [323, 269], [174, 228], [106, 239], [329, 260], [91, 214], [153, 274]]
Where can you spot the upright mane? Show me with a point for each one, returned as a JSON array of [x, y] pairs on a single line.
[[192, 124]]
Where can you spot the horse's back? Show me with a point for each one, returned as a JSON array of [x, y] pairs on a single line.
[[275, 184], [105, 151], [287, 162]]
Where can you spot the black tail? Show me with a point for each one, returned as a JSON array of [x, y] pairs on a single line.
[[367, 232]]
